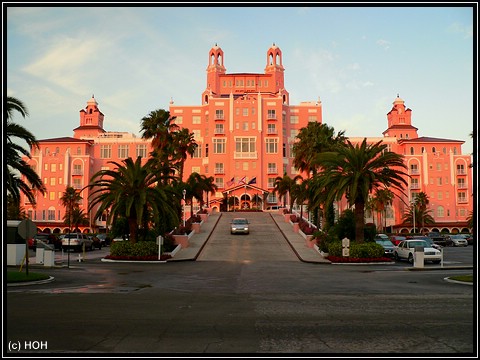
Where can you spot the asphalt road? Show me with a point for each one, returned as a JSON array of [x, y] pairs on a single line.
[[243, 295]]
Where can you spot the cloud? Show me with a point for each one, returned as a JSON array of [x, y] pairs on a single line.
[[457, 28], [384, 43]]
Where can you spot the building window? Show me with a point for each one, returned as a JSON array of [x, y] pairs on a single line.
[[60, 181], [462, 197], [271, 114], [253, 111], [245, 111], [196, 169], [271, 129], [413, 169], [197, 153], [293, 133], [414, 184], [45, 167], [141, 150], [123, 151], [245, 126], [76, 184], [196, 119], [105, 151], [245, 147], [77, 169], [412, 151], [312, 118], [271, 182], [440, 211], [79, 151], [271, 168], [219, 129], [219, 114], [460, 169], [293, 119], [52, 195], [219, 146], [461, 184], [219, 168], [178, 120], [271, 146], [219, 182], [439, 181], [53, 167], [51, 215], [53, 181]]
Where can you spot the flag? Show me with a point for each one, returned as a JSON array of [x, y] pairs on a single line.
[[252, 181], [241, 181], [231, 182]]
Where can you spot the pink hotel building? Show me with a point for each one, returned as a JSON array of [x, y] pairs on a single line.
[[245, 128]]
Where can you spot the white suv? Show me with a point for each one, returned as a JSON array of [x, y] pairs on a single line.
[[77, 241]]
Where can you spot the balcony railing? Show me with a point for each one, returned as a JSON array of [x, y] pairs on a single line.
[[219, 117], [461, 172], [271, 116], [77, 172], [414, 186], [414, 172], [272, 131], [272, 171]]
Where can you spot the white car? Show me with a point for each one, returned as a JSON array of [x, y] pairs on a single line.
[[77, 241], [405, 251], [459, 240], [239, 226]]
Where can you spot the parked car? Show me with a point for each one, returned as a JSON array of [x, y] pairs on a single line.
[[104, 239], [458, 240], [440, 239], [77, 241], [49, 239], [239, 226], [97, 243], [428, 240], [396, 239], [386, 243], [405, 251], [467, 237]]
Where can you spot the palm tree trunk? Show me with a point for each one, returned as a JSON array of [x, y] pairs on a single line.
[[359, 221]]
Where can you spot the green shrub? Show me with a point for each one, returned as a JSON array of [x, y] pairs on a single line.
[[141, 248], [364, 250]]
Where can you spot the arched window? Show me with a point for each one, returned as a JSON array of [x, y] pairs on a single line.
[[433, 149], [412, 151]]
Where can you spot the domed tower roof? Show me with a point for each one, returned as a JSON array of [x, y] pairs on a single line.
[[92, 101], [398, 101]]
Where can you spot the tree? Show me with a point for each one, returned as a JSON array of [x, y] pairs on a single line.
[[70, 199], [422, 201], [283, 186], [14, 210], [183, 144], [383, 198], [132, 190], [17, 166], [421, 215], [314, 139], [355, 171]]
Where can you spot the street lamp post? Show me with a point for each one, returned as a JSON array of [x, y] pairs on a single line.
[[413, 213], [184, 193]]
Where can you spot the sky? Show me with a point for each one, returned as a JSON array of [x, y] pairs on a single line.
[[136, 59]]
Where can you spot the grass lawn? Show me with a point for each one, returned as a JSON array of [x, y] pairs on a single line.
[[16, 276], [466, 278]]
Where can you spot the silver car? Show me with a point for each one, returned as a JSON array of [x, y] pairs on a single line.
[[406, 249], [458, 240], [239, 226]]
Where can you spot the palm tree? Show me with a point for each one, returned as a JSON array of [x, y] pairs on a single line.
[[314, 139], [383, 198], [16, 165], [355, 171], [14, 210], [208, 186], [129, 191], [283, 186], [299, 194], [79, 217], [422, 201], [70, 199], [184, 144], [420, 215], [159, 126]]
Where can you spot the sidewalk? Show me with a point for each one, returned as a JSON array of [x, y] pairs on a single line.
[[296, 241]]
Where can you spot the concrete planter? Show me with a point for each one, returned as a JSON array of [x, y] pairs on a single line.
[[183, 239], [196, 227], [296, 227]]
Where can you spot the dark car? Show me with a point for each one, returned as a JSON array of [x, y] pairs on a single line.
[[97, 243], [440, 239], [428, 240], [46, 238], [388, 246]]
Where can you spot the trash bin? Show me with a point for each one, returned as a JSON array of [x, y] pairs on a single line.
[[49, 256], [419, 257]]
